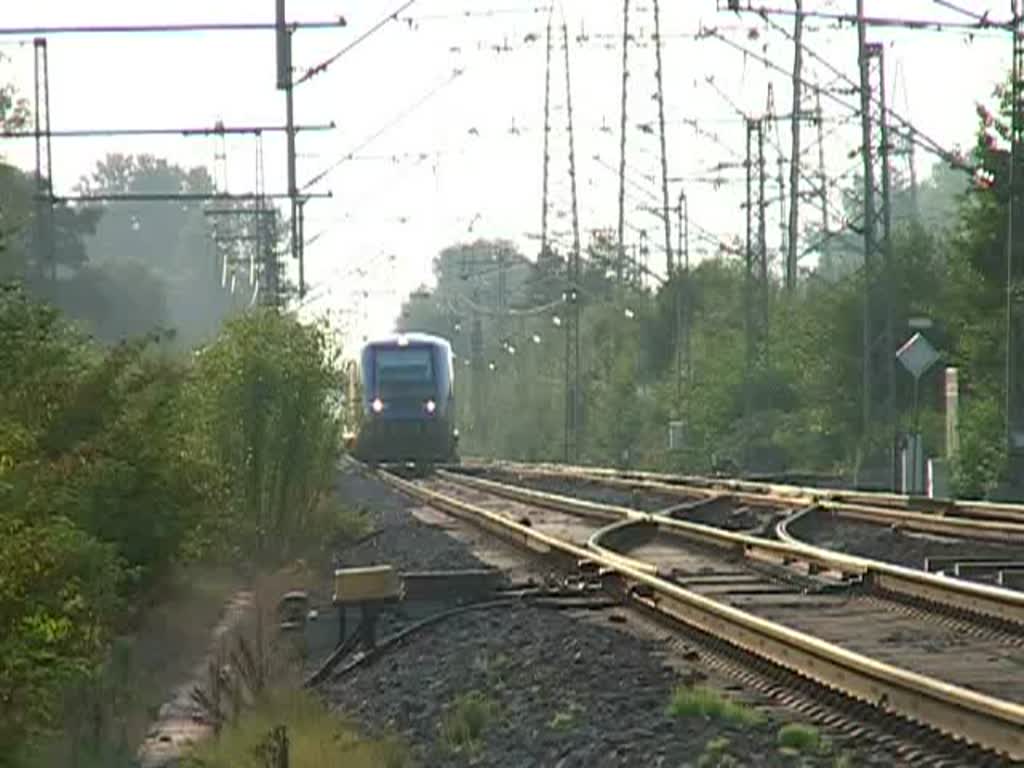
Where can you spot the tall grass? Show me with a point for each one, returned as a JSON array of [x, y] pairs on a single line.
[[316, 736]]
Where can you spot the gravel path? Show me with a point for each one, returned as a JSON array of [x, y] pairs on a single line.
[[551, 688]]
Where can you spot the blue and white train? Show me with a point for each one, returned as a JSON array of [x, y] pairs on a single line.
[[408, 401]]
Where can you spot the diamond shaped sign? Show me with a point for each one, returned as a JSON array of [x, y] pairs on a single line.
[[917, 355]]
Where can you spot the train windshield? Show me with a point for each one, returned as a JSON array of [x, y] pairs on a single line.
[[401, 371]]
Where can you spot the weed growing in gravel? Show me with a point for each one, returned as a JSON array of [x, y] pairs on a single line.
[[799, 738], [465, 720], [564, 719], [493, 666], [716, 756], [316, 738], [707, 702], [845, 760]]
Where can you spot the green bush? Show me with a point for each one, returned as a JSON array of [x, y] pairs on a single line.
[[264, 414], [799, 737], [465, 720], [119, 463], [59, 594], [701, 701]]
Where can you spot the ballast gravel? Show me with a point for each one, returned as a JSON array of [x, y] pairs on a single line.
[[881, 542], [558, 688]]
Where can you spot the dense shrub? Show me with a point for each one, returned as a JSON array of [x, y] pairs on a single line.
[[117, 464]]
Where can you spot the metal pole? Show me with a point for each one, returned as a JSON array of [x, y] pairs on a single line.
[[794, 165], [679, 226], [762, 235], [547, 137], [869, 216], [40, 225], [748, 319], [688, 303], [677, 299], [822, 175], [1015, 137], [301, 232], [501, 296], [574, 259], [622, 141], [285, 82], [887, 293], [476, 341], [780, 179], [666, 221], [46, 241]]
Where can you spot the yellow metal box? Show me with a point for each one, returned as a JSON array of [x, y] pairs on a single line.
[[375, 582]]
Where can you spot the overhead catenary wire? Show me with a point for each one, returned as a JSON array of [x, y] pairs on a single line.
[[919, 137], [323, 66], [396, 120], [526, 128]]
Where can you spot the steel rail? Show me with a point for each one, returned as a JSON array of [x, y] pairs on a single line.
[[975, 520], [963, 508], [958, 712], [1003, 604]]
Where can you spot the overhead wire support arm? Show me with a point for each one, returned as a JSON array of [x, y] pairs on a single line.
[[981, 22], [218, 130], [108, 29], [155, 197]]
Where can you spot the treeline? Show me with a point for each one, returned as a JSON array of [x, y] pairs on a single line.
[[136, 259], [802, 406], [119, 463]]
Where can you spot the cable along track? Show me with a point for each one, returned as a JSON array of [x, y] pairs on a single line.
[[835, 619]]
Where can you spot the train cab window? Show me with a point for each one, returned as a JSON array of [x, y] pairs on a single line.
[[404, 369]]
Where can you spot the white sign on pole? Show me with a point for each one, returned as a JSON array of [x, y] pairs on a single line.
[[952, 406], [917, 355]]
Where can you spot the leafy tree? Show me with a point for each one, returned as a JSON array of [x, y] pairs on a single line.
[[266, 415], [166, 243], [30, 252], [58, 597]]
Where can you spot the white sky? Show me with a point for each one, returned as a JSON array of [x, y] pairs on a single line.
[[389, 200]]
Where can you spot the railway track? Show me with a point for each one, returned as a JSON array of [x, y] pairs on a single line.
[[982, 550], [944, 654], [868, 502]]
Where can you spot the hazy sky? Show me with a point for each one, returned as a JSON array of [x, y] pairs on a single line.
[[465, 161]]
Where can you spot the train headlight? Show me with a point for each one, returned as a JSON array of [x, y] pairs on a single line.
[[377, 405], [431, 406]]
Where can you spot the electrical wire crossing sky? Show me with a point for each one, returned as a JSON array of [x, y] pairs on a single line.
[[439, 108]]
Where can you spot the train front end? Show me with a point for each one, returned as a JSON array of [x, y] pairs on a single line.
[[408, 401]]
